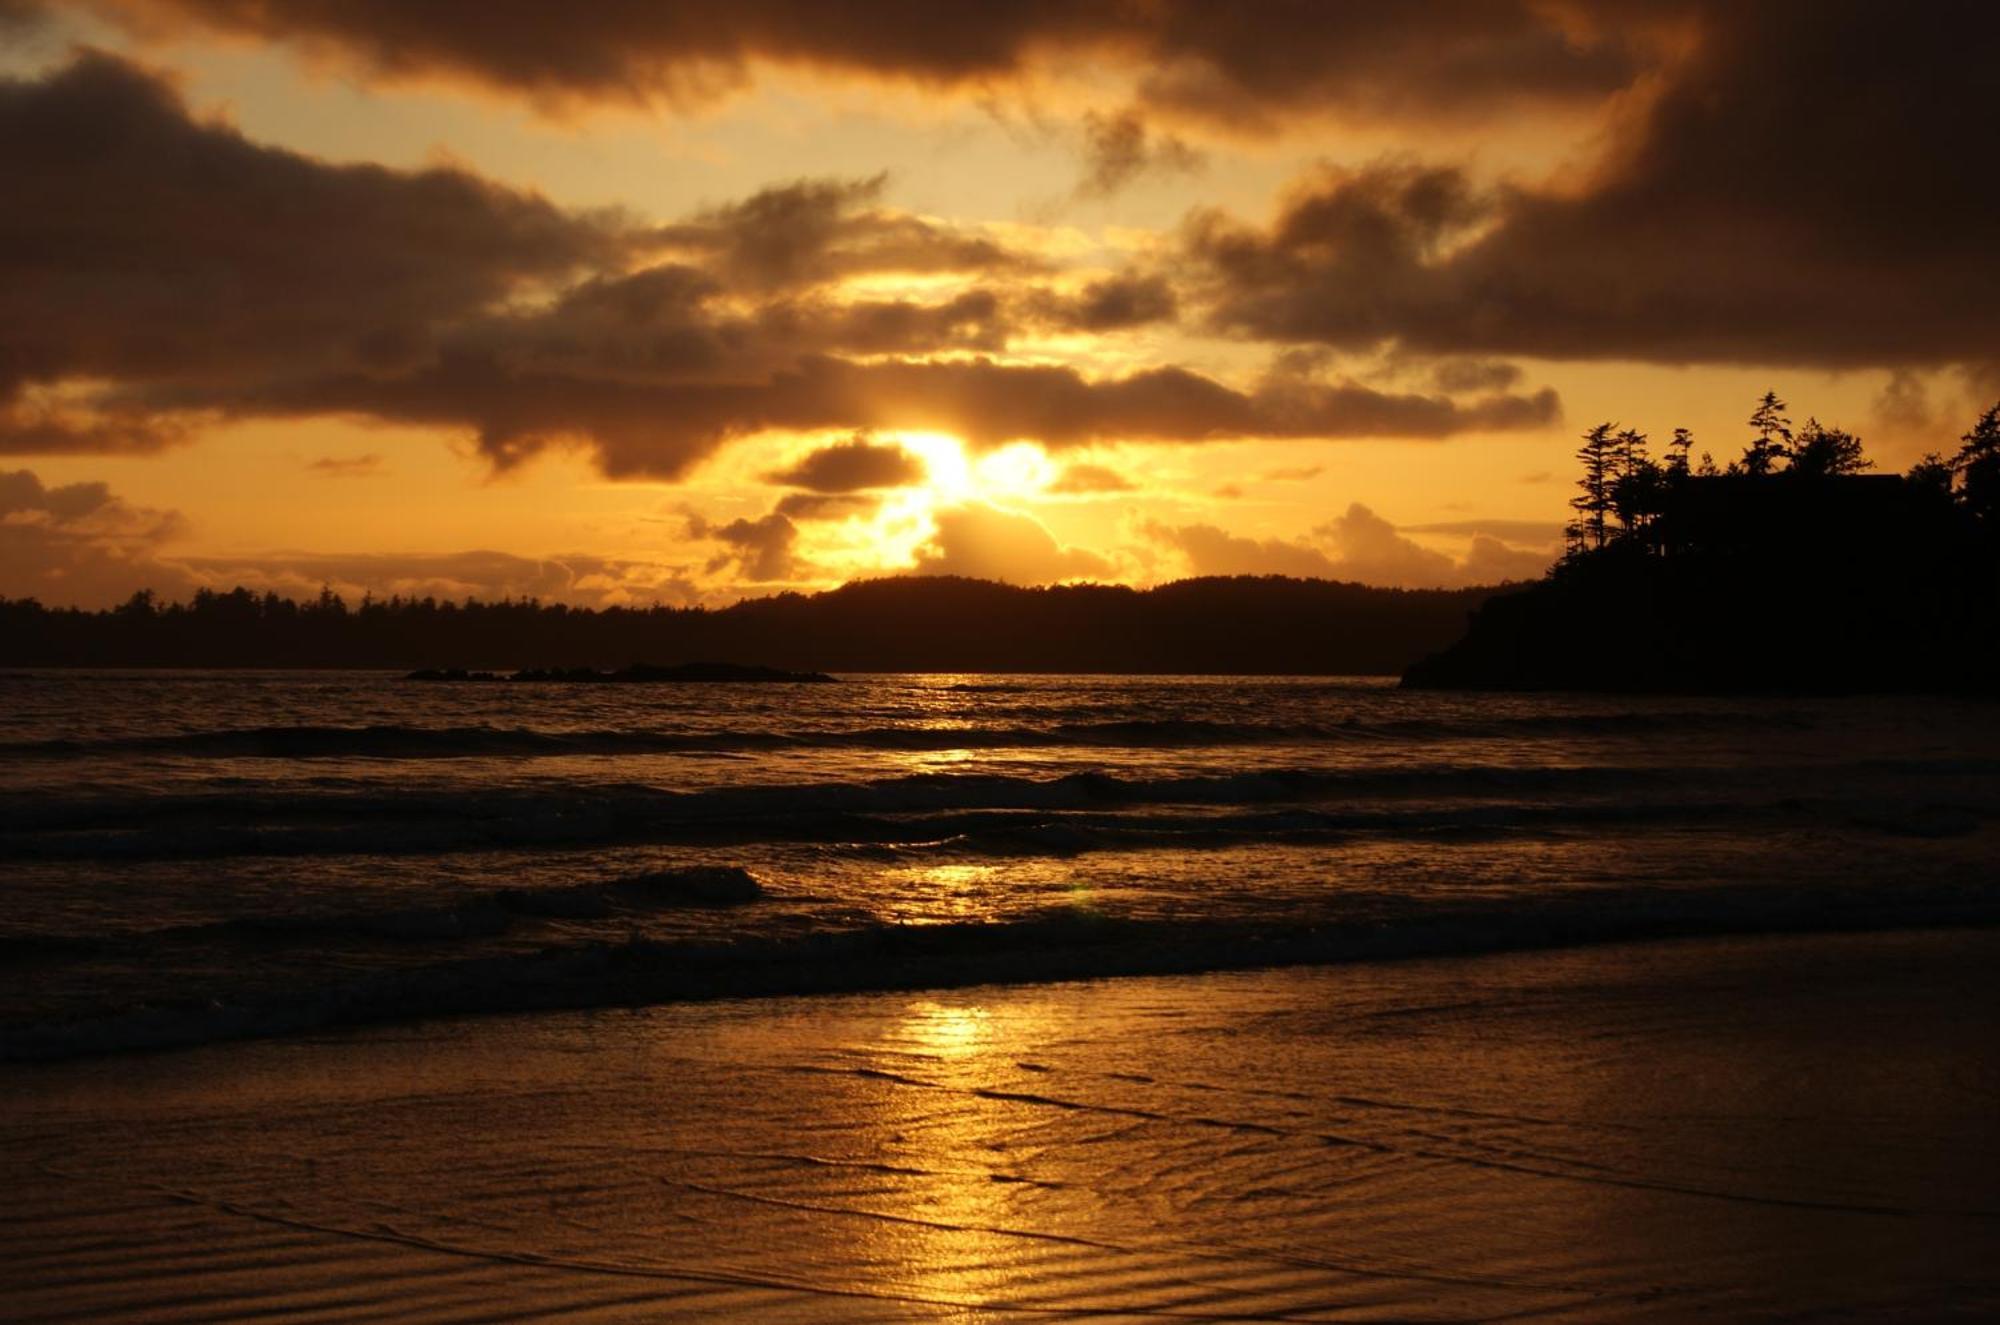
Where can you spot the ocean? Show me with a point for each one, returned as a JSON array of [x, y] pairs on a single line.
[[199, 856]]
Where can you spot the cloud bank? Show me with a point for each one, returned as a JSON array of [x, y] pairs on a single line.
[[1360, 546], [438, 298]]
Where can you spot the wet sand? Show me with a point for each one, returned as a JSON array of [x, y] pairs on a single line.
[[1759, 1129]]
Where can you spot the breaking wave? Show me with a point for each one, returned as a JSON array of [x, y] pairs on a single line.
[[394, 741], [978, 812], [1066, 946], [480, 914]]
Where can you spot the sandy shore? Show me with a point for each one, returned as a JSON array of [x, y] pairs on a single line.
[[1748, 1129]]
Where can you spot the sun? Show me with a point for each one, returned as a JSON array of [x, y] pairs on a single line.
[[905, 519], [1019, 470], [948, 468], [954, 476]]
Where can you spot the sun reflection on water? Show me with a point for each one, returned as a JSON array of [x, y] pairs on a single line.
[[953, 894]]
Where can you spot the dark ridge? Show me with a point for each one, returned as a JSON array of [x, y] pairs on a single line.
[[1240, 625], [682, 673]]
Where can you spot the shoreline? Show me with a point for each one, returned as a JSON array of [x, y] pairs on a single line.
[[1747, 1127], [909, 959]]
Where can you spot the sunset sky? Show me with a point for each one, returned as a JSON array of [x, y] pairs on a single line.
[[624, 302]]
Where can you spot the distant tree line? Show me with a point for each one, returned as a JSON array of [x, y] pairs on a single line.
[[1242, 624]]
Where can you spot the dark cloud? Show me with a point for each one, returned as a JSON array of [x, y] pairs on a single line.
[[22, 493], [1345, 261], [1250, 63], [661, 428], [202, 276], [18, 16], [1805, 188], [813, 231], [1911, 419], [1293, 475], [152, 247], [1370, 550], [827, 505], [672, 323], [1491, 561], [1461, 375], [1211, 550], [1241, 63], [1904, 405], [1084, 480], [987, 543], [27, 429], [989, 403], [347, 466], [854, 465], [1308, 406], [79, 544], [758, 550], [973, 320], [1113, 303], [1119, 150], [1358, 545]]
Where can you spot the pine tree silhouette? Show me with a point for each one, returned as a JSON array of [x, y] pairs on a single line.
[[1599, 456], [1977, 467], [1822, 452], [1677, 451], [1773, 441]]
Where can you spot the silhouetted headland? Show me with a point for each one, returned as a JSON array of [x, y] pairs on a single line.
[[641, 673], [1790, 570], [1269, 625]]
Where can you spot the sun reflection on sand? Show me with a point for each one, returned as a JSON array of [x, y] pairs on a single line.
[[948, 1030], [968, 1195]]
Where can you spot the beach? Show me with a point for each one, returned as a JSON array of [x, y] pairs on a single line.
[[1748, 1128]]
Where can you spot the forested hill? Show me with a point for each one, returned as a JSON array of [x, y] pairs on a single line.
[[1791, 569], [1267, 625]]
